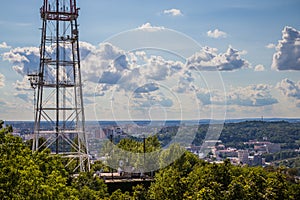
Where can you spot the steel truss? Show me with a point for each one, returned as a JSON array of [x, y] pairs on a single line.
[[59, 111]]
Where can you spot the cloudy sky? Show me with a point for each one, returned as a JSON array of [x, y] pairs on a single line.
[[169, 59]]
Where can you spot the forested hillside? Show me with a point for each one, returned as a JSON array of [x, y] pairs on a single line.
[[234, 134]]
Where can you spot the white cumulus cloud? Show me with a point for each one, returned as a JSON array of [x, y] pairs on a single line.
[[26, 97], [22, 85], [24, 59], [287, 56], [173, 12], [289, 88], [252, 95], [209, 60], [94, 90], [149, 87], [4, 45], [104, 64], [249, 96], [107, 69], [148, 27], [27, 59], [271, 46], [216, 34], [259, 68], [147, 100], [107, 64]]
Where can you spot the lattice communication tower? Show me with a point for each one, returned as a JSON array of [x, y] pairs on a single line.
[[59, 111]]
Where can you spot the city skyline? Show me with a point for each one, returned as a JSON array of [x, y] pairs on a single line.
[[165, 60]]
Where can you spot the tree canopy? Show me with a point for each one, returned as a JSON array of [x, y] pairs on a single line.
[[40, 175]]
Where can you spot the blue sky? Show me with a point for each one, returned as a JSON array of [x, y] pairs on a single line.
[[246, 52]]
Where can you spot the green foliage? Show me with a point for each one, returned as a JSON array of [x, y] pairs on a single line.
[[221, 181], [167, 185], [131, 153], [294, 191], [293, 165], [118, 195], [89, 186], [137, 146], [140, 193], [24, 175], [281, 155], [99, 166]]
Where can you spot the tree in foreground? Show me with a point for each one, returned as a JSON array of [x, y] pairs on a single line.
[[40, 175]]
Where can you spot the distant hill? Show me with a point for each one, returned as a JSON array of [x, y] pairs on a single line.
[[162, 123], [234, 134]]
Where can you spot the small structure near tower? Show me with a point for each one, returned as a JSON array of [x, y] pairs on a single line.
[[59, 111]]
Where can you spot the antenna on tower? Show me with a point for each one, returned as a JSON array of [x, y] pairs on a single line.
[[59, 112]]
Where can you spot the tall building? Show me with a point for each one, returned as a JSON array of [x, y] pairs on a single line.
[[243, 156]]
